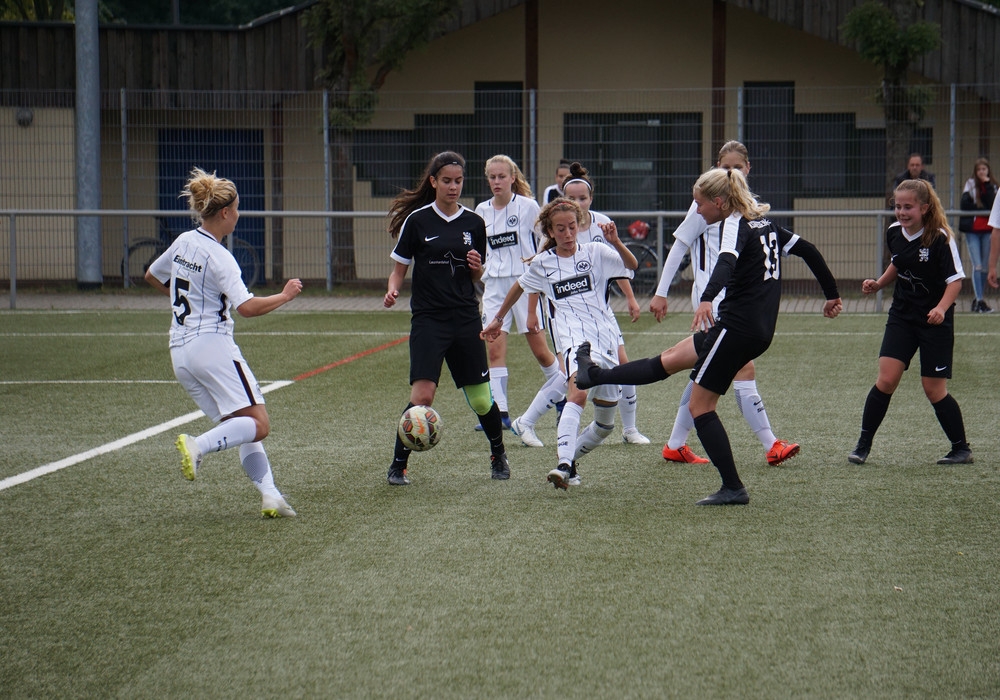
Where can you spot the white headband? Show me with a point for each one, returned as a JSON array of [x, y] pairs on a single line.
[[570, 182]]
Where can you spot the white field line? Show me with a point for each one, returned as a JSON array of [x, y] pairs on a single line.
[[115, 445]]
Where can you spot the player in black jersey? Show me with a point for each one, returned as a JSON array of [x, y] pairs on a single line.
[[446, 244], [927, 270], [749, 268]]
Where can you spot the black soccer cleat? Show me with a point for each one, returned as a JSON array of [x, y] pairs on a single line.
[[584, 365], [499, 467], [860, 453], [726, 497], [958, 456], [397, 477]]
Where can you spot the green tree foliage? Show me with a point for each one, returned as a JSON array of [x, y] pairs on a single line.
[[892, 38], [35, 10], [362, 41]]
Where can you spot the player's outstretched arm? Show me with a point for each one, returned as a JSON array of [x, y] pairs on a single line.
[[258, 306]]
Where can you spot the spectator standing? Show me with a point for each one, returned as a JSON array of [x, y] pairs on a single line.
[[979, 193]]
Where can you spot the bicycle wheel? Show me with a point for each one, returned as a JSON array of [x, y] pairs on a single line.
[[140, 256], [646, 275], [249, 262]]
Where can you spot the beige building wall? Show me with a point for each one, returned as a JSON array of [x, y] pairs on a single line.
[[44, 178]]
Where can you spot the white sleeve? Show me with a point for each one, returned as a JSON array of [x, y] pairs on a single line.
[[685, 235], [995, 213]]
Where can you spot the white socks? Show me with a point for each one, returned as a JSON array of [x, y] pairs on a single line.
[[683, 423], [552, 392], [258, 468], [752, 408], [498, 385], [569, 426], [228, 433], [628, 407]]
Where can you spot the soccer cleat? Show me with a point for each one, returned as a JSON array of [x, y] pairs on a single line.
[[499, 467], [574, 476], [559, 477], [504, 421], [276, 507], [583, 366], [397, 477], [682, 454], [959, 456], [190, 456], [726, 497], [780, 451], [860, 453], [526, 433], [632, 436]]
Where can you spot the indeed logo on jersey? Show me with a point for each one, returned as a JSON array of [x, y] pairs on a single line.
[[194, 267], [567, 288], [503, 240]]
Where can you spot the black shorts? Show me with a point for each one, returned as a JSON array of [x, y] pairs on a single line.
[[721, 355], [450, 336], [903, 338]]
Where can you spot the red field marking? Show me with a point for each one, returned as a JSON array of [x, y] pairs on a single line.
[[352, 358]]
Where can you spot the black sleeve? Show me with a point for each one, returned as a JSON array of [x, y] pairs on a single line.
[[989, 197], [724, 267], [968, 203], [814, 259]]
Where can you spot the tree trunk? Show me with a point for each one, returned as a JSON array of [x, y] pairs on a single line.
[[342, 200]]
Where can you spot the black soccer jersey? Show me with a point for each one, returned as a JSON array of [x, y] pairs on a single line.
[[749, 268], [436, 246], [923, 272]]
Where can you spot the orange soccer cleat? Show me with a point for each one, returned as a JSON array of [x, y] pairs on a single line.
[[780, 451], [682, 454]]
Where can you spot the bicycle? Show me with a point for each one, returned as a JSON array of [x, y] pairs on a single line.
[[141, 254], [647, 275]]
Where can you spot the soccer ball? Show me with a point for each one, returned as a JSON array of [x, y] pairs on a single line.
[[420, 428]]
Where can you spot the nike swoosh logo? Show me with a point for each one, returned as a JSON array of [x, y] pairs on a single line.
[[549, 274], [486, 372], [940, 369], [428, 239]]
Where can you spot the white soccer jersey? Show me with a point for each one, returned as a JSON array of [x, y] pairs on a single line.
[[205, 286], [575, 286], [510, 236], [702, 240]]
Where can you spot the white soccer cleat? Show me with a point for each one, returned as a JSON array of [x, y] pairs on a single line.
[[559, 477], [276, 507], [526, 433], [190, 456], [632, 436]]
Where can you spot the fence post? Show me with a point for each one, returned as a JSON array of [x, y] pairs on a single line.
[[124, 132], [880, 251], [326, 190], [13, 261], [659, 250]]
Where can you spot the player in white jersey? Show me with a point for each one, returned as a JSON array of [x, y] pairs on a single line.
[[202, 278], [579, 188], [510, 217], [555, 190], [703, 239], [574, 279]]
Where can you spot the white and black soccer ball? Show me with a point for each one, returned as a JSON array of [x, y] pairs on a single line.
[[420, 428]]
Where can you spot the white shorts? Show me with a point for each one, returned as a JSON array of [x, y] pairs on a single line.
[[604, 392], [495, 291], [212, 370]]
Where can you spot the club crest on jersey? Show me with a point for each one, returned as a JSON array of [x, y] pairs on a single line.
[[924, 254], [502, 240], [466, 238], [512, 221], [571, 287], [583, 266]]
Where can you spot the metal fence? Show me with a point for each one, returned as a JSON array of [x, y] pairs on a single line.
[[315, 185]]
